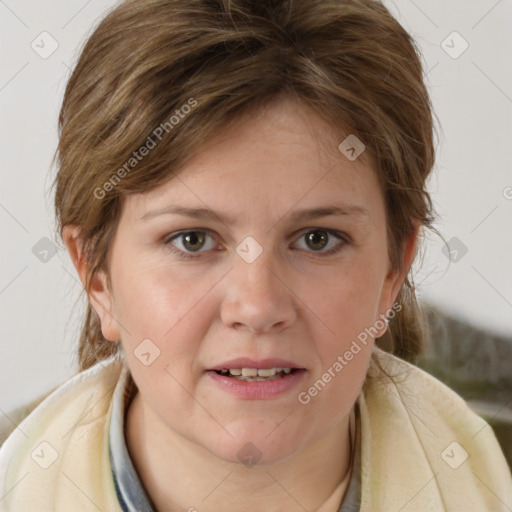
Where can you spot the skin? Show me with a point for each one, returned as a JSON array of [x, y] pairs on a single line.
[[294, 302]]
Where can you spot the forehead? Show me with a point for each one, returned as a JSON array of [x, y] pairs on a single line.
[[282, 153], [281, 129]]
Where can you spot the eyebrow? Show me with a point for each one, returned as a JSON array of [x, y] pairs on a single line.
[[299, 215]]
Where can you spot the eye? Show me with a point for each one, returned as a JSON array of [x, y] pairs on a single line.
[[190, 242], [319, 239]]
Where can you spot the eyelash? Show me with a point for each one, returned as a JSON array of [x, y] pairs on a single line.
[[344, 240]]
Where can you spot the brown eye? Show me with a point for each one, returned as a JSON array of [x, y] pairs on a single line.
[[322, 241], [193, 240], [190, 244], [317, 239]]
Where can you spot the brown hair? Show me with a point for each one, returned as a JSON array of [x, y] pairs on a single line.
[[348, 60]]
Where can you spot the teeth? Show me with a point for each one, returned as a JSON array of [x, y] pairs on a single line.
[[269, 372], [255, 372]]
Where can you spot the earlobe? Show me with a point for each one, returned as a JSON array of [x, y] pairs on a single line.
[[99, 294]]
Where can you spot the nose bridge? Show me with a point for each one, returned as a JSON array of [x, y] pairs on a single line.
[[259, 277], [254, 263], [256, 296]]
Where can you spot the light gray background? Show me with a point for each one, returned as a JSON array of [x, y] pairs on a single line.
[[472, 185]]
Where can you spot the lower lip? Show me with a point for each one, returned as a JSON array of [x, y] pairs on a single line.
[[257, 390]]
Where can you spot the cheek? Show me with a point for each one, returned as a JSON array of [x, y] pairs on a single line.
[[332, 390], [159, 299], [164, 320], [347, 303]]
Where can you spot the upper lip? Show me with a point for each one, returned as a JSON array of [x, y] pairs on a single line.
[[245, 362]]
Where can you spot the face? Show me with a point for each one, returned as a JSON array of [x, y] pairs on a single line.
[[270, 245]]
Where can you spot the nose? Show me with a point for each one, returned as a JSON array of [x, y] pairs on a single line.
[[257, 297]]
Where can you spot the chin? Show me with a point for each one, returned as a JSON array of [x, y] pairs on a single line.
[[255, 445]]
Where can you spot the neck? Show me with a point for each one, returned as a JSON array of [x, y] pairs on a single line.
[[181, 475]]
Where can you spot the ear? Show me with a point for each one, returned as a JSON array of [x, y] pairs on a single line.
[[100, 296], [395, 278]]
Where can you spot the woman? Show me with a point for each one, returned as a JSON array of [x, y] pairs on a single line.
[[241, 188]]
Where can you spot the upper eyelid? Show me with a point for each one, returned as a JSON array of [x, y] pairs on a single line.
[[177, 234]]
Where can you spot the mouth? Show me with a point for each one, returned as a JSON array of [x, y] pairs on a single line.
[[251, 379], [250, 385]]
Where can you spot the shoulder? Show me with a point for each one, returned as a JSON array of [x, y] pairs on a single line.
[[407, 390], [66, 424], [10, 419], [63, 407], [388, 373], [431, 436]]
